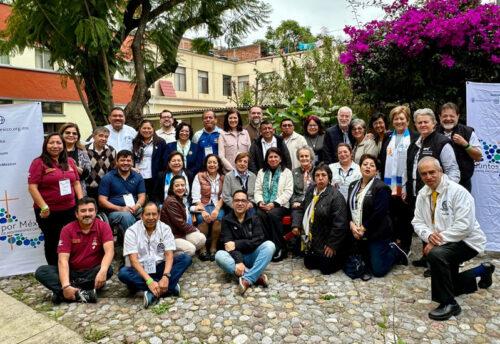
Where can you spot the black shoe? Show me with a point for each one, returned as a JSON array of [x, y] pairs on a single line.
[[212, 256], [444, 312], [486, 280], [56, 298], [421, 263], [204, 256], [278, 256], [427, 273], [402, 257]]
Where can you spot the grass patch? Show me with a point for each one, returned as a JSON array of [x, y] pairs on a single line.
[[160, 309], [94, 335], [328, 297], [276, 296], [18, 293], [55, 315], [43, 308]]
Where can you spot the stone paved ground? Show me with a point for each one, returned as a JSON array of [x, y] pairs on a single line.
[[300, 306]]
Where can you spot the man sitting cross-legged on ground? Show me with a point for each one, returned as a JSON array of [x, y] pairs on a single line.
[[85, 255], [245, 253], [445, 219], [150, 245]]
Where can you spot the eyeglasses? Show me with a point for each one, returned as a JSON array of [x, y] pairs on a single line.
[[168, 117], [312, 126], [69, 133], [287, 125], [357, 129], [240, 201]]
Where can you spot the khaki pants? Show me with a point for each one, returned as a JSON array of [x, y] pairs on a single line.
[[193, 241]]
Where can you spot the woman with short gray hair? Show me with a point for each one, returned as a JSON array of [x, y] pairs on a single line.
[[363, 144]]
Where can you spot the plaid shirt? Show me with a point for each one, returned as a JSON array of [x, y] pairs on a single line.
[[100, 164]]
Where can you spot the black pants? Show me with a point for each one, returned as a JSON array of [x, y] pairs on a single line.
[[446, 281], [51, 228], [273, 229], [325, 265], [466, 183], [401, 216], [149, 184], [48, 275]]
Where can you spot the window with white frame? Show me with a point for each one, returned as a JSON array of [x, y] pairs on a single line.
[[243, 83], [180, 79], [42, 58], [226, 85], [202, 82]]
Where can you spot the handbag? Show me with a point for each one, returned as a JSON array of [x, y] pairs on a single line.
[[355, 267]]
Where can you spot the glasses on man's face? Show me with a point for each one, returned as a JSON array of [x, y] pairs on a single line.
[[167, 117], [240, 201], [287, 125], [69, 133]]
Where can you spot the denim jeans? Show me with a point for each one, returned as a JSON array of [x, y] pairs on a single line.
[[124, 218], [381, 256], [133, 280], [255, 262]]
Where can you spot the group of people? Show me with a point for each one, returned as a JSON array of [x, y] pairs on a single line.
[[225, 193]]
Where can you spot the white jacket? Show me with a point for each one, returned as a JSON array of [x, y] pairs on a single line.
[[295, 142], [455, 215], [285, 188]]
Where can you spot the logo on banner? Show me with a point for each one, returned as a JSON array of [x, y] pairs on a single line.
[[491, 152], [2, 119], [10, 226]]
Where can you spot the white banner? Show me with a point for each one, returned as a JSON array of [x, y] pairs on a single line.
[[483, 114], [21, 139]]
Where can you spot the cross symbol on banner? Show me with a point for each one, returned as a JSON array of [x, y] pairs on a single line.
[[6, 200]]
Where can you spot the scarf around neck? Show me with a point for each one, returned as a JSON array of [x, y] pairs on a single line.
[[270, 189]]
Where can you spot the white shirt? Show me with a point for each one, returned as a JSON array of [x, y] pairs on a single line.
[[168, 137], [138, 241], [146, 163], [454, 215], [342, 179], [473, 141], [266, 146], [448, 161], [214, 190], [122, 139]]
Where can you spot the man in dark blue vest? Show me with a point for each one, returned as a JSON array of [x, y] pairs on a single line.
[[464, 142]]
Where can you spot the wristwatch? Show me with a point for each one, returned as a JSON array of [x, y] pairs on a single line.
[[167, 275]]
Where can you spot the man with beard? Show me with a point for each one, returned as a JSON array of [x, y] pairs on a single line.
[[255, 118], [167, 130], [464, 142], [86, 251], [337, 134], [121, 135]]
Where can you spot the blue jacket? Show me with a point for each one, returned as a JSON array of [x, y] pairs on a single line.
[[208, 140], [194, 158]]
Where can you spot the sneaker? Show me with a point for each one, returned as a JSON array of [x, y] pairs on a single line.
[[177, 290], [262, 280], [149, 299], [403, 258], [486, 280], [56, 298], [243, 285], [85, 296]]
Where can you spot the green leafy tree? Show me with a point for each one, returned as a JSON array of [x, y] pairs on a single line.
[[318, 70], [90, 40], [288, 35]]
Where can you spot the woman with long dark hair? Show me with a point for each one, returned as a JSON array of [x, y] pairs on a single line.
[[273, 190], [76, 151], [53, 183], [233, 139], [149, 152]]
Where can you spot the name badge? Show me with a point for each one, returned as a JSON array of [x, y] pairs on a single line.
[[208, 150], [64, 187], [129, 200], [150, 265]]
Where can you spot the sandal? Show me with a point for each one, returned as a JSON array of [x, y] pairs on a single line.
[[204, 256]]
